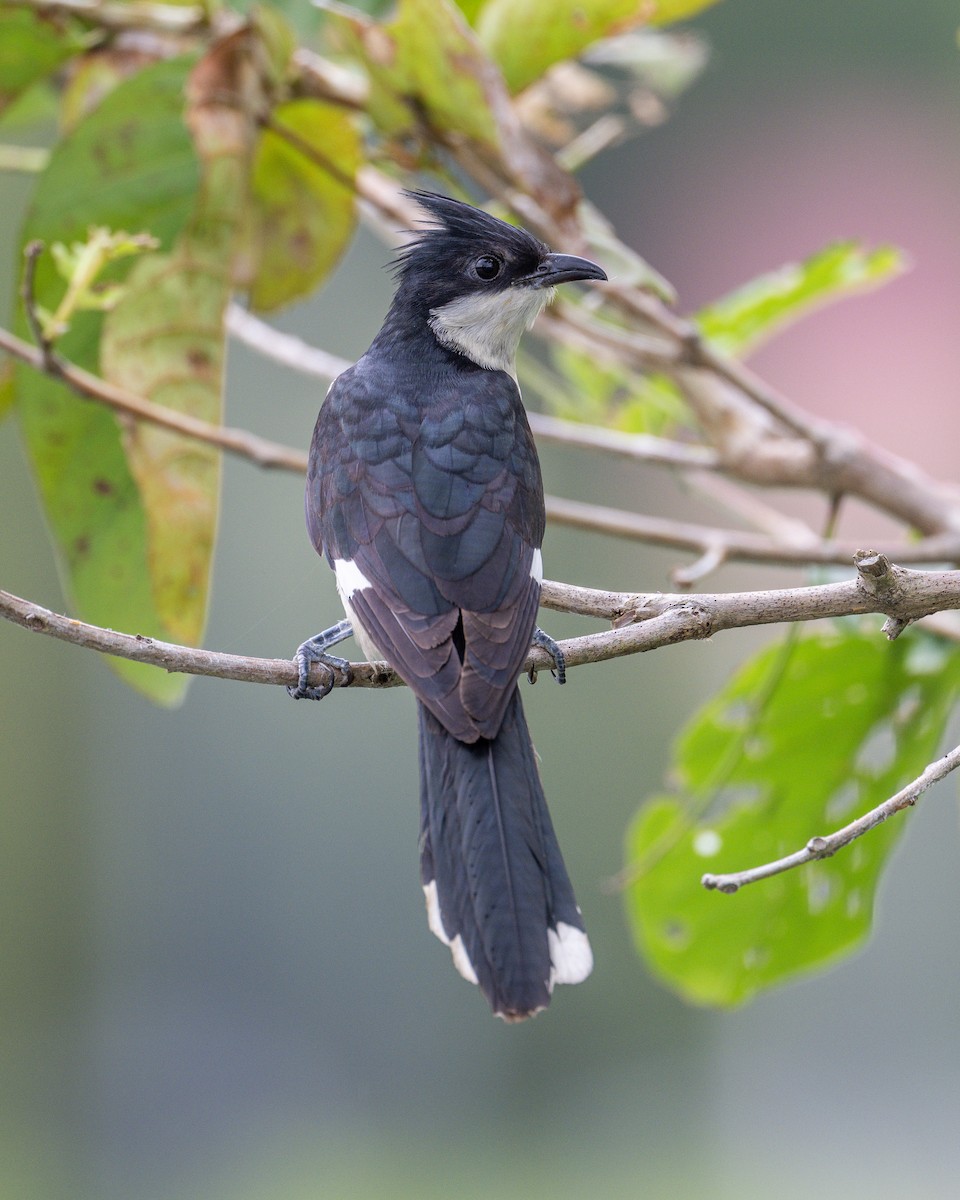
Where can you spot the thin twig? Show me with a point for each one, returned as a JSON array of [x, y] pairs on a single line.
[[164, 18], [733, 544], [31, 255], [283, 348], [751, 507], [824, 847], [262, 451]]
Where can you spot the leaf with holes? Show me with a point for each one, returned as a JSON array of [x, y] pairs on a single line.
[[741, 321], [129, 164], [811, 733]]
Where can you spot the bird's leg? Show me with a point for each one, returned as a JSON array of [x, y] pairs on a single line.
[[314, 650], [546, 642]]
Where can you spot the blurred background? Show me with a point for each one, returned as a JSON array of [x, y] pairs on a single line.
[[216, 977]]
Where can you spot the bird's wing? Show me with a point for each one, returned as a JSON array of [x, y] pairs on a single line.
[[432, 514]]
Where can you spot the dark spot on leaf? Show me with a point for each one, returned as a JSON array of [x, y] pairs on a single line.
[[103, 487], [198, 359], [81, 546], [301, 243]]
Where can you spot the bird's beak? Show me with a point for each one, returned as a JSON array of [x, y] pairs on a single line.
[[563, 268]]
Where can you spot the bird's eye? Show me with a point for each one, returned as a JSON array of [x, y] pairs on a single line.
[[487, 267]]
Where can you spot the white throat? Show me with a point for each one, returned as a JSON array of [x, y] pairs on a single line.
[[487, 328]]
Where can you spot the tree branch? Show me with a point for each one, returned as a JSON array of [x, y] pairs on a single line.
[[828, 845], [238, 441], [283, 348], [729, 544], [162, 18], [642, 622]]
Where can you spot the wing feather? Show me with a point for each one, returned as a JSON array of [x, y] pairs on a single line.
[[438, 503]]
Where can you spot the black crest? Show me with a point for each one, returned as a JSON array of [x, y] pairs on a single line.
[[455, 235]]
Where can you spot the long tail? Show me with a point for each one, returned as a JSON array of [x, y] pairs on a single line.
[[497, 891]]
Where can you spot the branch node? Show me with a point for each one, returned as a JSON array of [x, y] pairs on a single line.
[[894, 626], [871, 563], [690, 348], [720, 883], [646, 610], [713, 557]]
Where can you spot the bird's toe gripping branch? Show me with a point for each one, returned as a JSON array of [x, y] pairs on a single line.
[[546, 642], [314, 650]]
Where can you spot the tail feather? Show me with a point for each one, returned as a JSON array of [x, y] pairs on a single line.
[[497, 890]]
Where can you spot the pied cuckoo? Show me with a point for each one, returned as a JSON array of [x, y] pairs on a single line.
[[424, 494]]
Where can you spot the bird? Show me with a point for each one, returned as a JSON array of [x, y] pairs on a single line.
[[424, 493]]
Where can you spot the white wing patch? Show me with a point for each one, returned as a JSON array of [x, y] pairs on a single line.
[[536, 567], [571, 959], [461, 960], [350, 578]]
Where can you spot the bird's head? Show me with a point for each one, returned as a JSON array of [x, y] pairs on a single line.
[[479, 282]]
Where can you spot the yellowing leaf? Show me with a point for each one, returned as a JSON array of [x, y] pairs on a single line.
[[129, 164], [165, 341], [427, 58], [303, 213]]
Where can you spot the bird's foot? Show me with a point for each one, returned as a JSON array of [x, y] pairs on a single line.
[[546, 642], [314, 650]]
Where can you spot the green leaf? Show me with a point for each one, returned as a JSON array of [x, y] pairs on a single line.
[[83, 265], [526, 37], [130, 164], [582, 388], [92, 77], [808, 735], [471, 9], [757, 310], [278, 39], [667, 11], [6, 388], [426, 62], [31, 49], [303, 215]]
